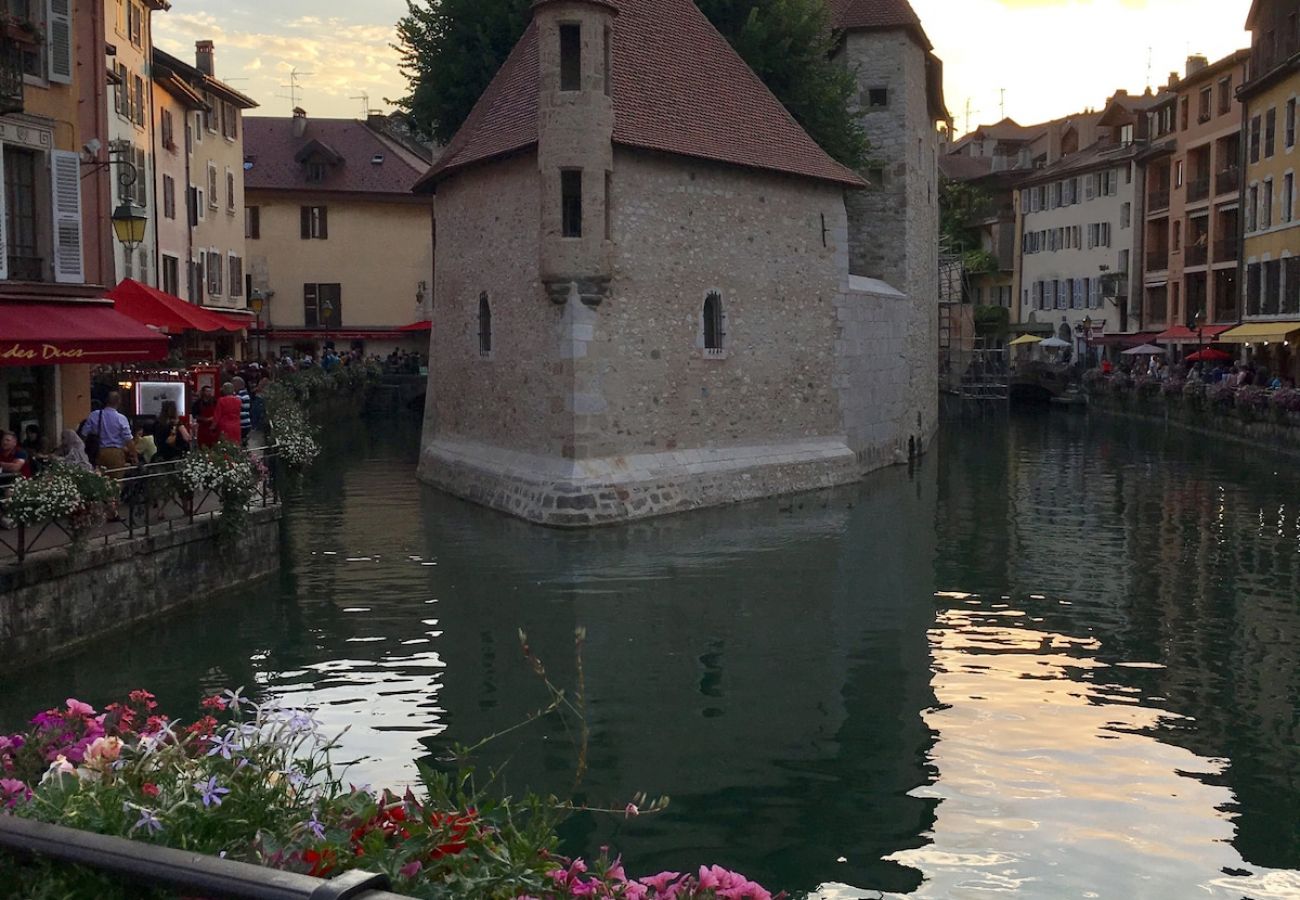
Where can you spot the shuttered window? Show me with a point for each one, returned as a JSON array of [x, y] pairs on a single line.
[[59, 25], [315, 223], [65, 178]]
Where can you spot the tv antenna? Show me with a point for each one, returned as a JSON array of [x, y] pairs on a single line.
[[1002, 103], [365, 104], [1149, 58], [294, 87]]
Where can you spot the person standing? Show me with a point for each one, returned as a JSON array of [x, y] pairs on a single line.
[[114, 434], [245, 408], [170, 436], [205, 413], [228, 414]]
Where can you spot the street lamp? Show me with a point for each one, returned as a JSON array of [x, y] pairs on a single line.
[[129, 224], [1087, 340], [257, 302]]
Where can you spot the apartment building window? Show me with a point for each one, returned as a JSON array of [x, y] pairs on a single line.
[[253, 223], [214, 195], [229, 121], [1178, 237], [198, 127], [171, 275], [315, 223], [1255, 126], [137, 100], [230, 192], [1178, 173], [571, 203], [135, 23], [215, 270], [1271, 301], [1266, 205], [1125, 215], [1252, 207], [1206, 100], [322, 305], [1225, 95], [168, 127], [236, 276], [169, 197], [25, 261], [1270, 132], [1290, 123], [570, 57], [1254, 273], [1183, 107], [1288, 197], [210, 114]]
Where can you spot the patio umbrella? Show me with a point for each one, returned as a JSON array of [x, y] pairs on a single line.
[[1209, 354], [1025, 340], [1145, 350], [1055, 343]]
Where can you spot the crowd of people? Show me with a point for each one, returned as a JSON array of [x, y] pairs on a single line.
[[1234, 374]]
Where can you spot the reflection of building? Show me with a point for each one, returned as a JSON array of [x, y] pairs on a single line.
[[1272, 231], [56, 248], [337, 243], [1192, 191], [675, 324]]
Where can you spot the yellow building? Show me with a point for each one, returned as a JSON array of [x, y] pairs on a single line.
[[340, 250], [1271, 244]]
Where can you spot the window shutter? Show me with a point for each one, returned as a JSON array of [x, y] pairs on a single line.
[[324, 223], [4, 236], [65, 180], [60, 37], [306, 223]]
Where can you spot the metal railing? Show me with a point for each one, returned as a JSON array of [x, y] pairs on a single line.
[[26, 268], [11, 77], [1225, 251], [1157, 260], [1157, 200], [1196, 255], [152, 497], [192, 873], [1198, 189]]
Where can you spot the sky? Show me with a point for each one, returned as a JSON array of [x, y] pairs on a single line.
[[1052, 57]]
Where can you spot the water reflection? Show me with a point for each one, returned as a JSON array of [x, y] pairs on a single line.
[[1058, 659]]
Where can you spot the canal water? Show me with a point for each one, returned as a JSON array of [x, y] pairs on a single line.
[[1058, 658]]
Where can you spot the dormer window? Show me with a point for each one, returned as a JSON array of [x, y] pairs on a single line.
[[315, 172], [570, 57]]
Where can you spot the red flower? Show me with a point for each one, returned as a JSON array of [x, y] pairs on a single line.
[[213, 702], [457, 825], [322, 862], [149, 789]]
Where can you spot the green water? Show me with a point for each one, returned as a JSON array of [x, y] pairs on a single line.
[[1057, 659]]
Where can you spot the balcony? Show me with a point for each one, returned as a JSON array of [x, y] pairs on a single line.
[[1227, 181], [1157, 260], [1157, 200], [1198, 189], [1196, 255], [11, 77], [26, 268], [1225, 251]]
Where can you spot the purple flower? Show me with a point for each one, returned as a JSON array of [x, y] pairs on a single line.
[[224, 745], [315, 827], [210, 793], [148, 821], [13, 792]]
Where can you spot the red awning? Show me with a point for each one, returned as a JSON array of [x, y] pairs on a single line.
[[418, 326], [48, 334], [172, 314], [1181, 334]]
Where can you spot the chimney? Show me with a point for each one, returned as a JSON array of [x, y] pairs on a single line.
[[1173, 80], [299, 121], [204, 57], [1195, 63]]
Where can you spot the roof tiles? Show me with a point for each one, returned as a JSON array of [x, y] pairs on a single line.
[[271, 149], [678, 87]]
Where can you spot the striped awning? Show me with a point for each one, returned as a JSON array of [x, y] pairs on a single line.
[[1260, 333]]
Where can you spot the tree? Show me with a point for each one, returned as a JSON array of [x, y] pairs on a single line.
[[452, 48]]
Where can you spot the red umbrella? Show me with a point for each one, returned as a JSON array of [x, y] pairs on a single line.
[[1209, 354]]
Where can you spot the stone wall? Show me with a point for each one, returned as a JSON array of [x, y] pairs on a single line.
[[55, 600], [1262, 430]]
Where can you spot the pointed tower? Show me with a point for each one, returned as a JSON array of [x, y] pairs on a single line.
[[575, 150]]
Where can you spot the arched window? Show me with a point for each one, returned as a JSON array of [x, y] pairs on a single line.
[[713, 333], [484, 325]]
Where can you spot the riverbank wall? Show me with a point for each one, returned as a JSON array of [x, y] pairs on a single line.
[[1275, 430], [58, 600]]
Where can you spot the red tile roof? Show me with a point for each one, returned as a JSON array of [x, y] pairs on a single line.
[[852, 15], [678, 87], [270, 148]]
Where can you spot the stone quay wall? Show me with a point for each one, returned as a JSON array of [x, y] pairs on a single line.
[[58, 600], [1276, 431]]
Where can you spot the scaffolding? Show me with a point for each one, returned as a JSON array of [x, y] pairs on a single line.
[[971, 367]]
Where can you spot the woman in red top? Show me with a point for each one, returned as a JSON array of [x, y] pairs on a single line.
[[229, 408]]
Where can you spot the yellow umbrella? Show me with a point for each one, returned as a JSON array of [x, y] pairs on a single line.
[[1026, 339]]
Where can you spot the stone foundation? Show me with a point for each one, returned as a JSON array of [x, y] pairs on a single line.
[[580, 493]]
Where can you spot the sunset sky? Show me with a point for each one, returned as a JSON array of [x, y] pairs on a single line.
[[1053, 57]]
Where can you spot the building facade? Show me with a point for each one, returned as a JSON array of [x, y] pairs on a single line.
[[339, 248], [128, 31], [55, 235], [1271, 245], [1192, 191], [675, 324]]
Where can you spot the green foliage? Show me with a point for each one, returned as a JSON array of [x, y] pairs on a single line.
[[452, 48], [960, 204], [992, 320], [979, 262]]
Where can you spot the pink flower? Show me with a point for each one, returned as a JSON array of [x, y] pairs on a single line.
[[77, 708], [411, 869], [631, 811], [13, 792], [103, 752], [661, 883]]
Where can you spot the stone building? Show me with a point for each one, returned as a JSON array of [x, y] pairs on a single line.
[[644, 299]]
